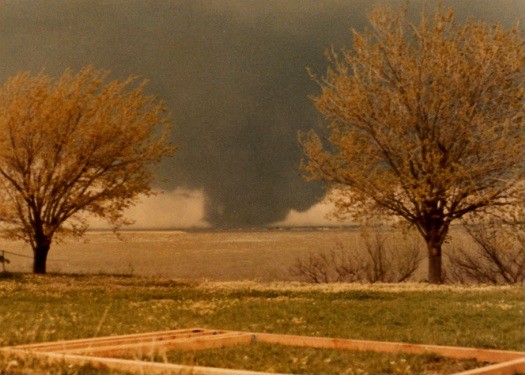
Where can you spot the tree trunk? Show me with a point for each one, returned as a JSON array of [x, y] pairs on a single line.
[[40, 257], [434, 263]]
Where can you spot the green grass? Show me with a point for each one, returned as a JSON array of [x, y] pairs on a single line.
[[295, 360], [56, 307]]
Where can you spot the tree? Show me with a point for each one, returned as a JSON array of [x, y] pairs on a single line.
[[425, 123], [72, 147]]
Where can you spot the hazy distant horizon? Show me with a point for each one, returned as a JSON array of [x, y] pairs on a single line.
[[233, 229]]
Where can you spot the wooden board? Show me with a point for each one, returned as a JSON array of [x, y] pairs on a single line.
[[121, 339], [130, 366], [190, 343], [104, 351], [516, 366], [484, 355]]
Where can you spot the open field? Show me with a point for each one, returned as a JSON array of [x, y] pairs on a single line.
[[56, 307], [220, 255], [264, 255]]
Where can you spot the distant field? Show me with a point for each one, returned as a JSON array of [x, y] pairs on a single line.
[[264, 255], [249, 255], [48, 308]]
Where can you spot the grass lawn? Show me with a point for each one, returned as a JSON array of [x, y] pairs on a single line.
[[296, 360], [56, 307]]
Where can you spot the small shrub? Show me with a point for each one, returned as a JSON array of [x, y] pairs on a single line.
[[336, 265], [374, 262], [497, 256], [391, 265]]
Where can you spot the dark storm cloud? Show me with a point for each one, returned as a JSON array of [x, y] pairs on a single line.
[[232, 72]]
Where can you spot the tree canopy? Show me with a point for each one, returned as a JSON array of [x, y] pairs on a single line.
[[73, 146], [426, 122]]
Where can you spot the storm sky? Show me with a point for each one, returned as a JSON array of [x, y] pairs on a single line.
[[233, 73]]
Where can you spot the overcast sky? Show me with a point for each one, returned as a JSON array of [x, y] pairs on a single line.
[[234, 75]]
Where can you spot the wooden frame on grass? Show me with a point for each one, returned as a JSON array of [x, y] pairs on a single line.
[[104, 351]]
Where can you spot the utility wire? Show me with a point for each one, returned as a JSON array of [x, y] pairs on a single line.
[[19, 255], [30, 257]]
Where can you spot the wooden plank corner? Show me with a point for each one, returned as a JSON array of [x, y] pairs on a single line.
[[515, 366], [104, 351]]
